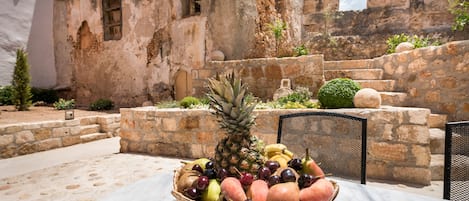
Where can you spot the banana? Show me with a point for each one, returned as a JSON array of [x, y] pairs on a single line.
[[288, 153], [282, 159], [274, 147]]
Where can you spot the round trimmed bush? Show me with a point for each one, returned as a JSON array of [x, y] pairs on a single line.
[[189, 101], [338, 93]]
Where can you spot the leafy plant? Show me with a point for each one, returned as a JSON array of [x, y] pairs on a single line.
[[338, 93], [6, 95], [417, 41], [189, 101], [301, 50], [300, 95], [459, 8], [168, 104], [46, 95], [277, 27], [63, 104], [293, 105], [102, 104], [21, 82]]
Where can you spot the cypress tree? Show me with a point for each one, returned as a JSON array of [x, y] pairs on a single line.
[[21, 82]]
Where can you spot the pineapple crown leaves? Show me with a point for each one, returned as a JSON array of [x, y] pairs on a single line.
[[227, 96]]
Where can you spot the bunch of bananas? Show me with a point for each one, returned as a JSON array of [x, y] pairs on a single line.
[[278, 152]]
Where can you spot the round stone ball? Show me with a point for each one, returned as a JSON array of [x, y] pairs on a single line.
[[367, 98], [405, 46], [217, 55]]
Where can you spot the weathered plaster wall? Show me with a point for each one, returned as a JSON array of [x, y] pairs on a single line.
[[363, 34], [138, 67], [16, 20]]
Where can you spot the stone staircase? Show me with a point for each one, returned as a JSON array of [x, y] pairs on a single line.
[[361, 72], [90, 131]]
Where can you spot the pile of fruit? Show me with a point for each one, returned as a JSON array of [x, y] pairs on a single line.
[[243, 168], [282, 178]]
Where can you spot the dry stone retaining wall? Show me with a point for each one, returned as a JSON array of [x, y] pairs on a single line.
[[398, 138], [264, 76], [27, 138]]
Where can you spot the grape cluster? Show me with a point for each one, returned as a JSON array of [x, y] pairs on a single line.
[[200, 185]]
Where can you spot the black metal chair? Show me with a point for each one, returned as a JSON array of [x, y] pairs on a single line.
[[323, 133], [456, 172]]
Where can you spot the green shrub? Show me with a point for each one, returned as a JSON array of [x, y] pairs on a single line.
[[46, 95], [338, 93], [63, 104], [417, 41], [300, 95], [459, 8], [293, 105], [301, 50], [189, 101], [6, 95], [168, 104], [21, 82], [102, 104]]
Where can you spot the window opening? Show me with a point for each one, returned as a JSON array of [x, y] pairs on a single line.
[[191, 8], [349, 5], [112, 19]]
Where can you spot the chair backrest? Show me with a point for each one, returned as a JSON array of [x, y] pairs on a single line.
[[336, 141], [456, 172]]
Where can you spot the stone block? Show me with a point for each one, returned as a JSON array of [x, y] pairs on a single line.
[[8, 151], [52, 124], [419, 117], [127, 124], [48, 144], [204, 138], [413, 134], [189, 123], [6, 140], [257, 73], [421, 155], [13, 129], [432, 97], [60, 132], [169, 124], [24, 136], [31, 126], [71, 140], [88, 120], [291, 70], [105, 120], [42, 133], [378, 170], [140, 115], [412, 175], [88, 129], [26, 148], [388, 152], [449, 82], [267, 123], [179, 137], [151, 138], [131, 135], [124, 146], [74, 122], [275, 73], [75, 130]]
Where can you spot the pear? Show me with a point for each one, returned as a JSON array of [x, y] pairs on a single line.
[[310, 166], [212, 193], [201, 162], [288, 191]]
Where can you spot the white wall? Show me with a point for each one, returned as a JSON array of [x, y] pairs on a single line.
[[15, 20]]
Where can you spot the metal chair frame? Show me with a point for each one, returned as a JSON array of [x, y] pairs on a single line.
[[448, 155], [345, 116]]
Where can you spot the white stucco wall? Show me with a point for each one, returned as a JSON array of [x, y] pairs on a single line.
[[15, 20], [25, 24]]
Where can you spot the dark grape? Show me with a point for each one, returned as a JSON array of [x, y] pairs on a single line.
[[210, 173], [287, 175], [304, 181], [197, 167], [246, 179], [274, 179], [209, 165], [192, 193], [296, 164], [263, 173], [222, 174], [272, 165], [202, 183]]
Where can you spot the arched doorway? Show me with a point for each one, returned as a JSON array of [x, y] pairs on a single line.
[[182, 85]]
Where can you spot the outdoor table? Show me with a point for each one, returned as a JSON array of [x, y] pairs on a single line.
[[159, 186]]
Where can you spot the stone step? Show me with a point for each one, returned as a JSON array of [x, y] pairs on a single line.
[[354, 74], [88, 129], [459, 167], [378, 85], [437, 120], [437, 164], [348, 64], [93, 137], [437, 141], [397, 99]]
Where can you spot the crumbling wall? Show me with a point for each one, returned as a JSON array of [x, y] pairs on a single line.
[[363, 34]]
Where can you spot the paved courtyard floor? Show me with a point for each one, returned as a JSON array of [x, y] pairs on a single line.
[[93, 171]]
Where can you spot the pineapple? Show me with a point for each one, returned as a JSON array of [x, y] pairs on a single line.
[[239, 150]]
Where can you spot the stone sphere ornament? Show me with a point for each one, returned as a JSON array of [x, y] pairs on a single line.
[[367, 98]]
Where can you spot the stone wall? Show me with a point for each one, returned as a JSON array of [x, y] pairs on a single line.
[[363, 34], [26, 138], [398, 138], [263, 76]]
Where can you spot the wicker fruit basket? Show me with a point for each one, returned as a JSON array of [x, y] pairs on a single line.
[[180, 197]]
